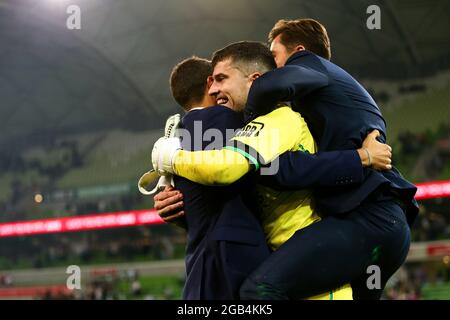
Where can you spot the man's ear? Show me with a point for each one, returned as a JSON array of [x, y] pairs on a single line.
[[209, 82], [255, 76], [300, 47]]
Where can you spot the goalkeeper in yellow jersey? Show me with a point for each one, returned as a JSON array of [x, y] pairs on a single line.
[[258, 147]]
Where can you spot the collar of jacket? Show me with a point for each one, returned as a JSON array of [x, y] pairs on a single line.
[[298, 55]]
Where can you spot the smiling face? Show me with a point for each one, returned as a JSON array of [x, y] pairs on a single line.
[[230, 85]]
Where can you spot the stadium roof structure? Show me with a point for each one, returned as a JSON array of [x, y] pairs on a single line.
[[113, 73]]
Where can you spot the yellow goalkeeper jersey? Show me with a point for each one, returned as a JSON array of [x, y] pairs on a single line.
[[261, 142], [284, 212]]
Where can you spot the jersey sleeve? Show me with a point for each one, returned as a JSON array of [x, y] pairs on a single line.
[[265, 138], [211, 167]]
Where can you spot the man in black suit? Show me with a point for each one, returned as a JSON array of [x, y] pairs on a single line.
[[364, 224], [225, 241]]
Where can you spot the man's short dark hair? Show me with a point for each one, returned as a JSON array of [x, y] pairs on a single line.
[[188, 81], [307, 32], [252, 56]]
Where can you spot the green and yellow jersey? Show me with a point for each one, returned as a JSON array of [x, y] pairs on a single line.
[[260, 142], [284, 212]]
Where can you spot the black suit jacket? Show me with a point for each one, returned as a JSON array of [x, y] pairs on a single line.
[[225, 241], [340, 113]]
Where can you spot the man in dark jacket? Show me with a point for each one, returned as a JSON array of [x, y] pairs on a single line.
[[363, 225], [225, 241]]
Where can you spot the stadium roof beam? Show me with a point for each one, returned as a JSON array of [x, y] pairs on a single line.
[[372, 48], [402, 32]]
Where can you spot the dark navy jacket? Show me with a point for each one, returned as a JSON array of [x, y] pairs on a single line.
[[225, 241], [340, 113]]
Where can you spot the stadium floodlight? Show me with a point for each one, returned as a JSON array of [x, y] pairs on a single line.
[[59, 2]]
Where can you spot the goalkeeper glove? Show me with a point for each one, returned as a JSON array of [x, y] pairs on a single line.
[[163, 153], [149, 178]]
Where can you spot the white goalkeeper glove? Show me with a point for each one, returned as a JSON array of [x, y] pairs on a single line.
[[149, 178], [172, 124], [163, 153]]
